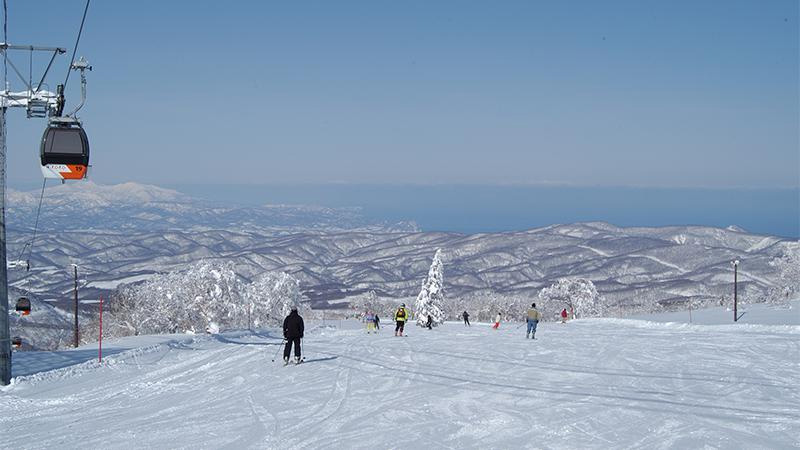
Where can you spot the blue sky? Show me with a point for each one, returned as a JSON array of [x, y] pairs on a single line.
[[623, 93], [461, 115]]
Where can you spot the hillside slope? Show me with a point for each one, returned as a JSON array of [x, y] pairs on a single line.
[[587, 384]]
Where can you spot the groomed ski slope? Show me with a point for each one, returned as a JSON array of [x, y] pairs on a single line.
[[587, 384]]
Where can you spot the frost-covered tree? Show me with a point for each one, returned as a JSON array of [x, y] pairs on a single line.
[[788, 268], [270, 298], [367, 302], [205, 297], [578, 294], [213, 291], [484, 305], [431, 297]]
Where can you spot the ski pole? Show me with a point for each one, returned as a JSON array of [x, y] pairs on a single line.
[[279, 350]]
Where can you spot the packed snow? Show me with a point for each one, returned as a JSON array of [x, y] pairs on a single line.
[[759, 314], [591, 383]]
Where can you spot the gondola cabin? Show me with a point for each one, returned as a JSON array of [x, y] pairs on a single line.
[[64, 150], [23, 306]]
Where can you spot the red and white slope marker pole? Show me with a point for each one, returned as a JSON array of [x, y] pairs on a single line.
[[100, 340]]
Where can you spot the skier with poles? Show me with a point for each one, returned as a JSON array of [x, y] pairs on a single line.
[[465, 315], [293, 328], [533, 319], [377, 322], [400, 316]]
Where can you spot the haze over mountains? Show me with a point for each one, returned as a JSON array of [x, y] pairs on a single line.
[[127, 232]]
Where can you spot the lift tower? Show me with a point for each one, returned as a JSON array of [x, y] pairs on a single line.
[[38, 103]]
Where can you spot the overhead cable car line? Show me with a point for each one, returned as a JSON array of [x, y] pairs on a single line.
[[77, 40], [5, 53], [29, 245], [64, 149]]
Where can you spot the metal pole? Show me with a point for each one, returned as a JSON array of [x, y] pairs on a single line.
[[735, 291], [100, 341], [77, 335], [5, 331]]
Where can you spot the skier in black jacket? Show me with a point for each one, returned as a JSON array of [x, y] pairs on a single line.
[[292, 331]]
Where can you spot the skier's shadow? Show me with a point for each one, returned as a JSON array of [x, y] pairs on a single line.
[[225, 340], [329, 358]]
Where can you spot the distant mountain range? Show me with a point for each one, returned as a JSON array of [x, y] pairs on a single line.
[[136, 207], [126, 233]]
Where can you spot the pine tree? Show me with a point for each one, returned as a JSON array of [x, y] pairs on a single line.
[[431, 297]]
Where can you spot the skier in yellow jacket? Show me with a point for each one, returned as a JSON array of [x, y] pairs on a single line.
[[401, 316]]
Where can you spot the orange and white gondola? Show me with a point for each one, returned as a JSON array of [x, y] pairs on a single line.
[[64, 150], [23, 306]]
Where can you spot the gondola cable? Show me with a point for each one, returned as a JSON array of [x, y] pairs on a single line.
[[5, 41], [64, 149], [77, 40], [29, 245]]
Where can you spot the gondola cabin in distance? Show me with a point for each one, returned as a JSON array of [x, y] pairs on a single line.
[[64, 150]]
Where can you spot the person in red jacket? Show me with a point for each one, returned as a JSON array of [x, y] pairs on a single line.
[[564, 315]]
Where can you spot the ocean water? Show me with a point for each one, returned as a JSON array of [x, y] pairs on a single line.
[[480, 208]]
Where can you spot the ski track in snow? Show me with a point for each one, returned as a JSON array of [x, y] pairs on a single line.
[[660, 261], [586, 384], [599, 252]]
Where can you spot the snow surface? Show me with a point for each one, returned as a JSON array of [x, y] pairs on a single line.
[[594, 383], [759, 313], [113, 284]]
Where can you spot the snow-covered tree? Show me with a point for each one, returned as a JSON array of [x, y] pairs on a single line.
[[270, 298], [205, 297], [213, 291], [201, 298], [368, 302], [788, 268], [484, 305], [431, 298], [578, 294]]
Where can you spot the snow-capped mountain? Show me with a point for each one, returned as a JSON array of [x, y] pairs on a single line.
[[132, 206], [336, 253]]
